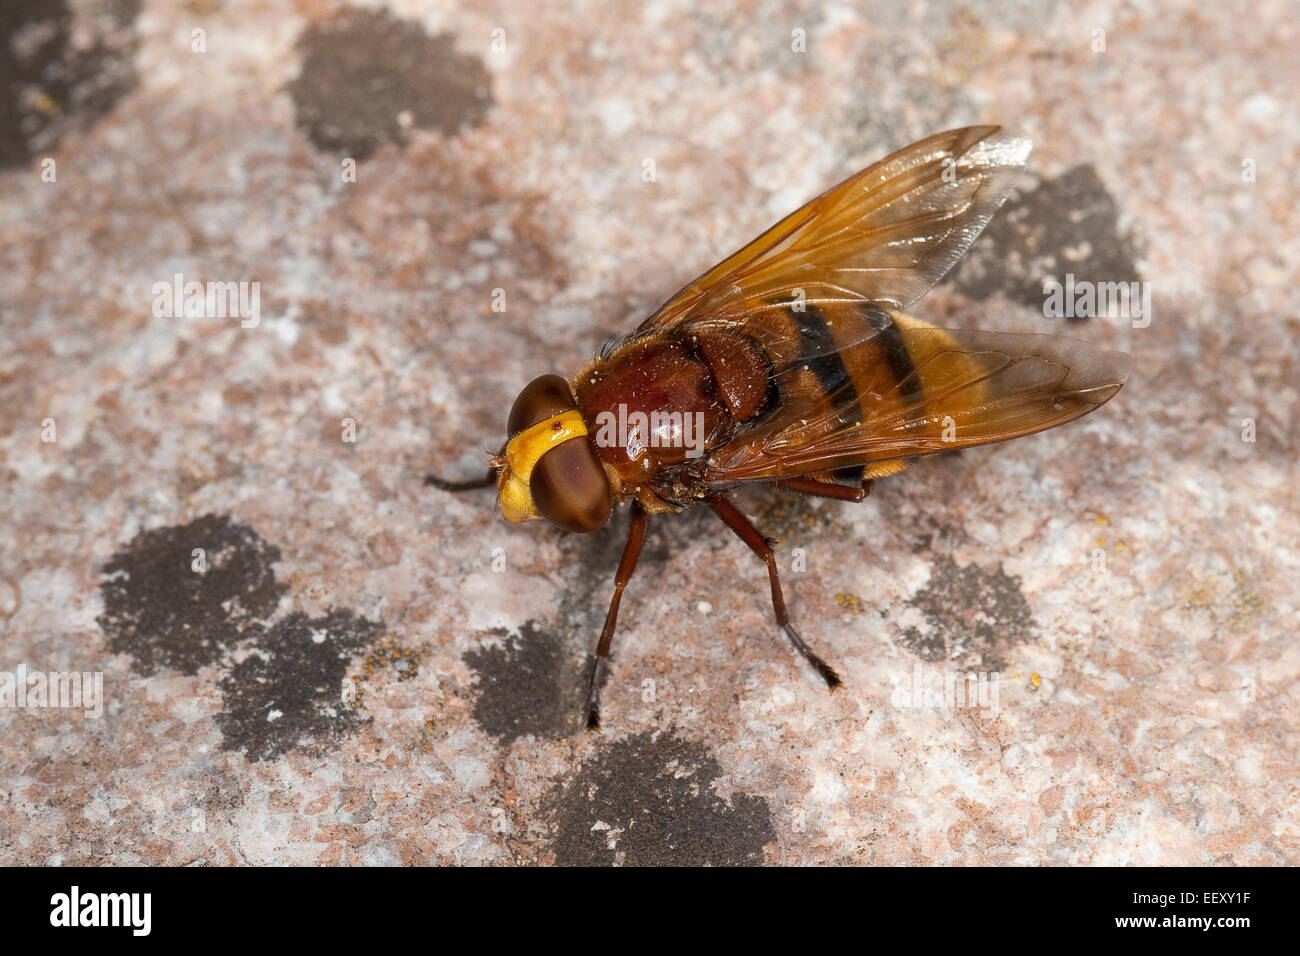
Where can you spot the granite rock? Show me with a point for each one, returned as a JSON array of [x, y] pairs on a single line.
[[309, 657]]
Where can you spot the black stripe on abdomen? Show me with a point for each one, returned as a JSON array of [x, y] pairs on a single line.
[[821, 356], [896, 353]]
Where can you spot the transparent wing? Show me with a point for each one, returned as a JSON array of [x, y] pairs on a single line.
[[966, 388], [886, 234]]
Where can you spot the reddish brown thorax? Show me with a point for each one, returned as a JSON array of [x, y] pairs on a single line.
[[661, 399]]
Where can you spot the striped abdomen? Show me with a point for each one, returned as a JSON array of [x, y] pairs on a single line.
[[832, 371]]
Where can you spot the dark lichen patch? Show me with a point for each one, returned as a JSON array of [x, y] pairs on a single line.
[[60, 72], [648, 800], [166, 614], [973, 617], [288, 692], [535, 681], [285, 685], [529, 683], [1066, 225], [369, 78]]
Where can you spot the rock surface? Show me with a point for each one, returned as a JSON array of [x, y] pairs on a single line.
[[308, 657]]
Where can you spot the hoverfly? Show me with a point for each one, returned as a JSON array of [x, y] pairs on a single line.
[[792, 362]]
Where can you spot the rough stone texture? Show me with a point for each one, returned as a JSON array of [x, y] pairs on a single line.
[[367, 670]]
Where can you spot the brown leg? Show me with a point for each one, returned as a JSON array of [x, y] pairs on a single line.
[[443, 484], [631, 551], [827, 489], [738, 523]]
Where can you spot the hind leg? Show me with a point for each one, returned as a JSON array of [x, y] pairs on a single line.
[[747, 533]]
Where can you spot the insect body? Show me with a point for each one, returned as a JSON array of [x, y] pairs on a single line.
[[793, 362]]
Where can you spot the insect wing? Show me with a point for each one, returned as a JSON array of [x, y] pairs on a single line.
[[911, 390], [860, 386], [885, 235]]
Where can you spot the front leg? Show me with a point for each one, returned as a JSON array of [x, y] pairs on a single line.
[[631, 552], [747, 533], [442, 484], [487, 481]]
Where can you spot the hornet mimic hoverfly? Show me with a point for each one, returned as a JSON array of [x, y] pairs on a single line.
[[792, 362]]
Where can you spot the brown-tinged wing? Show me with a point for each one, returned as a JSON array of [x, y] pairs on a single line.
[[861, 386], [946, 389], [885, 235]]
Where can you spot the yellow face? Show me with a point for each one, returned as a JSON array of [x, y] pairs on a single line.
[[522, 454]]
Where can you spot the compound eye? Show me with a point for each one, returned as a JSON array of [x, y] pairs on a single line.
[[541, 399], [569, 487]]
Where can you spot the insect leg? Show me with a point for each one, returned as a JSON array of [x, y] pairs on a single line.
[[826, 489], [444, 485], [487, 481], [631, 552], [747, 533]]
